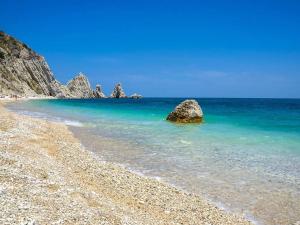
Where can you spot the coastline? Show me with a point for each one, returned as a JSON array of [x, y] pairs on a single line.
[[47, 177]]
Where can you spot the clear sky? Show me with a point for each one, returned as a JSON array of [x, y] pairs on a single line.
[[166, 48]]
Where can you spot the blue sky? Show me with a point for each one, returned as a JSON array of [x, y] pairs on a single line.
[[167, 48]]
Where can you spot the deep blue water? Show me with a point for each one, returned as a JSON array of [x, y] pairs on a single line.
[[245, 155]]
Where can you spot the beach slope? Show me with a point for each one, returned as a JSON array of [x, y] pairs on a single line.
[[47, 177]]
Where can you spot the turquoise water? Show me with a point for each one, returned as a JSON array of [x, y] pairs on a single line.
[[245, 157]]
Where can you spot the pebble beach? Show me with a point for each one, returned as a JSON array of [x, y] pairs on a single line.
[[48, 177]]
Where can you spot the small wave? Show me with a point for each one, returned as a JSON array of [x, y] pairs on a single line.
[[46, 116], [33, 114], [73, 123], [185, 142]]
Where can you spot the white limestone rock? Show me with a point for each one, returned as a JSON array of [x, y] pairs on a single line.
[[80, 87], [188, 111], [23, 72]]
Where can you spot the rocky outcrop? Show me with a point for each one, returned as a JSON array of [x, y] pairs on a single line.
[[136, 96], [23, 72], [188, 111], [98, 93], [80, 87], [118, 92]]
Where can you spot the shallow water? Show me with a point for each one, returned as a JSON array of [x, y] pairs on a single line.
[[244, 157]]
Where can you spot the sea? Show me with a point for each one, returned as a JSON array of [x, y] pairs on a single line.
[[244, 157]]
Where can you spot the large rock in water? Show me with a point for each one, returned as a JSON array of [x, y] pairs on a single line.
[[80, 87], [118, 92], [188, 111], [25, 73], [98, 92]]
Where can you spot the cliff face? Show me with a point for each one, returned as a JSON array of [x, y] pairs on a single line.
[[23, 72], [80, 87]]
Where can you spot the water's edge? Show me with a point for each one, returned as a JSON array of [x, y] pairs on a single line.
[[74, 125], [220, 205], [243, 159]]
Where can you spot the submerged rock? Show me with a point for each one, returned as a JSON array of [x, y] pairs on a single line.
[[118, 92], [188, 111], [136, 96], [80, 87], [98, 92]]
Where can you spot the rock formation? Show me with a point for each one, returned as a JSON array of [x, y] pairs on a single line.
[[62, 91], [98, 92], [118, 92], [187, 111], [80, 87], [136, 96], [23, 72]]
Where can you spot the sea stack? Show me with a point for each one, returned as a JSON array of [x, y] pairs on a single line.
[[118, 92], [98, 92], [188, 111], [80, 87]]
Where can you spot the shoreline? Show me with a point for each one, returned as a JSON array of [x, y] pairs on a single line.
[[53, 179]]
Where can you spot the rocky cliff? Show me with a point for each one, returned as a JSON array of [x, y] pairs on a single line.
[[23, 72]]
